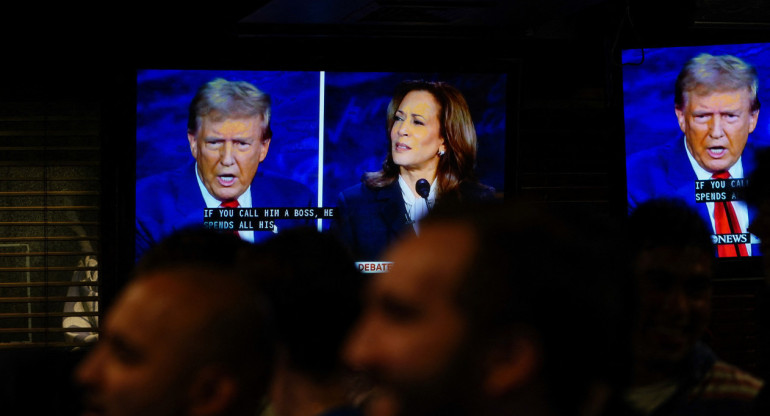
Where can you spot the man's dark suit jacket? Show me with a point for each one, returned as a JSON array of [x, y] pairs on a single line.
[[172, 200], [369, 219], [665, 172]]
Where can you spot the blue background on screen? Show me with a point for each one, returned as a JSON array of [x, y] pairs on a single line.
[[648, 92], [356, 140], [163, 97]]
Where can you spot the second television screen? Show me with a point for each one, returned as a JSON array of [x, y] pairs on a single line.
[[698, 142]]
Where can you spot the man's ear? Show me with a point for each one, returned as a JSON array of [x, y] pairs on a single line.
[[212, 392], [512, 363], [263, 151], [193, 145], [680, 117], [753, 120]]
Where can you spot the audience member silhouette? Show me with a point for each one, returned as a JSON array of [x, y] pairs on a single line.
[[497, 309], [675, 373], [315, 290], [187, 336]]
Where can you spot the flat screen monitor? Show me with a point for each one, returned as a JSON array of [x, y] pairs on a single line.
[[328, 129], [701, 147]]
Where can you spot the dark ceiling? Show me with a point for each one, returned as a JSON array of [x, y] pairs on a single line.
[[141, 28], [63, 38]]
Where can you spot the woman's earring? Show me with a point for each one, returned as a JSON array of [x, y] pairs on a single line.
[[441, 153]]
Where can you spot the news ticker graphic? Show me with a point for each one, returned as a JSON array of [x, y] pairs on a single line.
[[716, 190], [260, 219], [374, 266]]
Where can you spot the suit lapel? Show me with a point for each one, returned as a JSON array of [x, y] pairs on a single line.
[[392, 210], [682, 178]]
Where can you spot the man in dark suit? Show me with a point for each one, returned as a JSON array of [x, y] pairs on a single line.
[[717, 107], [229, 135]]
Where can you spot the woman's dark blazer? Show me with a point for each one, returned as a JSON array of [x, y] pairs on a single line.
[[370, 219]]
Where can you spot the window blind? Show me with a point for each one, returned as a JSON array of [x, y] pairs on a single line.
[[49, 224]]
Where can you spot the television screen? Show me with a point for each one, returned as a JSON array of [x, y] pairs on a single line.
[[692, 130], [326, 130]]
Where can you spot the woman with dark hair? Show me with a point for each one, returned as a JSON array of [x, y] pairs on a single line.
[[431, 158]]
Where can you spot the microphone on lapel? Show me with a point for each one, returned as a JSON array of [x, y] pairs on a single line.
[[423, 189]]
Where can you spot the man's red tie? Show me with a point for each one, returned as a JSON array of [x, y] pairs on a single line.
[[726, 222], [233, 203]]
